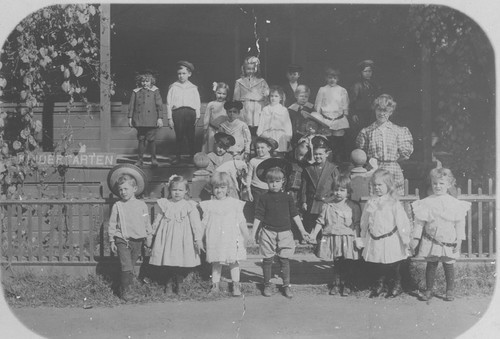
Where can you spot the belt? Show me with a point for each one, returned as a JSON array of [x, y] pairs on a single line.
[[384, 235], [448, 244], [182, 107], [386, 161]]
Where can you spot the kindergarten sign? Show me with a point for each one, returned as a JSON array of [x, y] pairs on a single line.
[[87, 160]]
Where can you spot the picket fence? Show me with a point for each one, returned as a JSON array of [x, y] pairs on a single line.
[[72, 230]]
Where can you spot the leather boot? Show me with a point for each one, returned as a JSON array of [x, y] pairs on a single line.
[[449, 273], [236, 289], [267, 265], [430, 275], [125, 282]]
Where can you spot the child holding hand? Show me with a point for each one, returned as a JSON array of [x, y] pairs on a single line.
[[215, 114], [178, 234], [272, 225], [339, 222], [145, 113], [317, 181], [440, 224], [129, 225], [385, 233], [226, 231], [275, 121]]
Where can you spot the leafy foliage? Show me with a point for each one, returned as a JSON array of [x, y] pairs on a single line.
[[53, 52], [462, 63]]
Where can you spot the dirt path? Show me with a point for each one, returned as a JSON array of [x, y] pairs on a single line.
[[260, 317]]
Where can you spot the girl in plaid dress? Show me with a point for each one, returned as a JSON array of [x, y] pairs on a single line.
[[339, 222], [385, 141]]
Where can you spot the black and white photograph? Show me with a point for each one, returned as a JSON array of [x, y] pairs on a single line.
[[297, 169]]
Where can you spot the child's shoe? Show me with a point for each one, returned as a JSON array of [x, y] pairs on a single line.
[[334, 290], [139, 163], [377, 289], [169, 288], [267, 291], [287, 292], [395, 291], [344, 290], [236, 289], [126, 282], [427, 295], [215, 288], [449, 296]]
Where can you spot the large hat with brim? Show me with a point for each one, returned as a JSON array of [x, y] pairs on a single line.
[[224, 139], [215, 123], [269, 141], [266, 165], [309, 116], [116, 172]]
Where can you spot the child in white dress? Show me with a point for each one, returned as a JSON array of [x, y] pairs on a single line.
[[440, 224], [226, 231], [385, 233], [339, 222], [252, 90], [275, 121], [178, 234], [215, 114]]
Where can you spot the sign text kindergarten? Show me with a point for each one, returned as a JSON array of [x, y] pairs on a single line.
[[78, 160]]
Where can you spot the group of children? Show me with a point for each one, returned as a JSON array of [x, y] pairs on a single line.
[[291, 194], [382, 234], [279, 112]]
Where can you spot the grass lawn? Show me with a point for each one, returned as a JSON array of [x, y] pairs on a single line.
[[30, 290]]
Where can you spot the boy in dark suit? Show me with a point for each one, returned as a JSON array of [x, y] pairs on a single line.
[[317, 181]]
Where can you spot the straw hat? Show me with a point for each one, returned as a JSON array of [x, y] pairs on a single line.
[[116, 172]]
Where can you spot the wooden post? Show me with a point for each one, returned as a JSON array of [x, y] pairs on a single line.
[[105, 77], [426, 84]]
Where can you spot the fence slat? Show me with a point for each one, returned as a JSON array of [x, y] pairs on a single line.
[[69, 217], [9, 232], [91, 232], [60, 233], [29, 227], [101, 230], [480, 224], [469, 221], [490, 219], [80, 232], [19, 235], [52, 225], [40, 235]]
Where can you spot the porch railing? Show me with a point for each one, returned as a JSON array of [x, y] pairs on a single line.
[[73, 230]]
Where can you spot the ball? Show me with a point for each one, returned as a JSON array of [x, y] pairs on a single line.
[[358, 157]]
